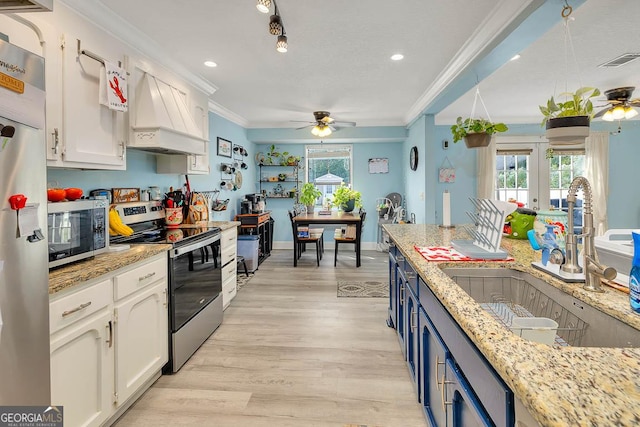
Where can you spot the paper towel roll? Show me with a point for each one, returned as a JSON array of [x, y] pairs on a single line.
[[446, 209]]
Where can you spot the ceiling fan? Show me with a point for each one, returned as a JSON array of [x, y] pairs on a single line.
[[324, 124], [619, 104]]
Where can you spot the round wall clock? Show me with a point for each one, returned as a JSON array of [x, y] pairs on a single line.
[[413, 158]]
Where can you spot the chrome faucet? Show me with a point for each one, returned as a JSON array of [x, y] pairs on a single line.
[[594, 270]]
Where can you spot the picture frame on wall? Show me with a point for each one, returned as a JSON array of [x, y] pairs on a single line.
[[224, 147]]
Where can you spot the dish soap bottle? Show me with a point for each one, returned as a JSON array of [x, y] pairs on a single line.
[[634, 276]]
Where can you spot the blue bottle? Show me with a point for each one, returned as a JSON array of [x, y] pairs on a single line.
[[634, 276]]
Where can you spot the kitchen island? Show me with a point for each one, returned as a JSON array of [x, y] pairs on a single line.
[[568, 386]]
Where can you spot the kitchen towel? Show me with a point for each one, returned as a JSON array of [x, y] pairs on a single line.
[[439, 253], [113, 87]]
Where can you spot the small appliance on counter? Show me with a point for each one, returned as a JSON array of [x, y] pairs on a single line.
[[258, 204], [77, 230]]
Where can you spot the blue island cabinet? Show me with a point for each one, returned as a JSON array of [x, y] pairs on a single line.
[[454, 382]]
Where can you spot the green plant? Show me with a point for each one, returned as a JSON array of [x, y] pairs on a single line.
[[274, 155], [309, 193], [462, 128], [343, 194], [578, 103]]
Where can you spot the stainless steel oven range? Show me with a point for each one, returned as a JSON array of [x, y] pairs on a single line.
[[195, 276]]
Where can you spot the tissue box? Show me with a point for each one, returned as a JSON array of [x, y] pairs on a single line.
[[615, 249]]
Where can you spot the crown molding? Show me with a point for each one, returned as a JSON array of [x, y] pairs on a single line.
[[227, 114], [96, 12]]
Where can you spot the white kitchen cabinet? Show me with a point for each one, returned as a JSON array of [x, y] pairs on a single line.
[[228, 253], [141, 331], [183, 164], [109, 339], [82, 356], [91, 136]]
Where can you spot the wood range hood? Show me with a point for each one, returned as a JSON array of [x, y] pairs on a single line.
[[163, 122]]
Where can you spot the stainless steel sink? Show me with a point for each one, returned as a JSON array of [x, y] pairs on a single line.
[[506, 293]]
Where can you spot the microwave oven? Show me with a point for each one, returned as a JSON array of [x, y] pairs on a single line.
[[77, 230]]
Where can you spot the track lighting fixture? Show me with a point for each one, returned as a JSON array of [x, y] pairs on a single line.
[[281, 45], [276, 26], [263, 5]]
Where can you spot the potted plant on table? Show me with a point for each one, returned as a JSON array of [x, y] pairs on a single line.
[[309, 193], [346, 199], [568, 122], [476, 132]]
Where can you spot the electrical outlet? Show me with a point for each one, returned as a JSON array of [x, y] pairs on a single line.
[[422, 196]]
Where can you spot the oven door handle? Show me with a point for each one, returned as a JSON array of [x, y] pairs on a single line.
[[197, 245]]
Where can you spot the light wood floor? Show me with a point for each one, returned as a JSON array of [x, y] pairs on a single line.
[[290, 353]]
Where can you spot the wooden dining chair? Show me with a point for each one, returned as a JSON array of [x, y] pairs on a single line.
[[342, 239], [300, 243]]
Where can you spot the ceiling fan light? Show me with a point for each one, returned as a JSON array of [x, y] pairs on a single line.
[[275, 25], [608, 116], [618, 113], [630, 113], [263, 5], [315, 131], [281, 44]]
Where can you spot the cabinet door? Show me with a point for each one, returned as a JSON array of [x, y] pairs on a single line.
[[463, 408], [82, 370], [141, 338], [411, 334], [92, 134], [433, 354]]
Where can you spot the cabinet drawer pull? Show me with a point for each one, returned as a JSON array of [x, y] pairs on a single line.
[[438, 362], [444, 398], [146, 276], [110, 339], [400, 258], [413, 324], [231, 291], [78, 308], [401, 294], [410, 275]]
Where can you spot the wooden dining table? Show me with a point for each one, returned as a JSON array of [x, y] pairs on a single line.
[[335, 218]]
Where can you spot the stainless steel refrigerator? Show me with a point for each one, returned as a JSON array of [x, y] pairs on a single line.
[[24, 297]]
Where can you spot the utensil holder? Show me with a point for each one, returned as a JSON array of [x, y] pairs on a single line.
[[173, 216]]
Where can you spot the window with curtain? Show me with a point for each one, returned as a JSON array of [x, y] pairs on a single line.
[[327, 166]]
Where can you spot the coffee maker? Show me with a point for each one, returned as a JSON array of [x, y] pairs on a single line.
[[256, 203]]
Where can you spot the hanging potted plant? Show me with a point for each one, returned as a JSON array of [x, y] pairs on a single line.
[[346, 199], [568, 122], [476, 132], [309, 193]]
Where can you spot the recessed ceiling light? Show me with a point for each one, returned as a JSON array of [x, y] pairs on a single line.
[[516, 56], [397, 57], [210, 64]]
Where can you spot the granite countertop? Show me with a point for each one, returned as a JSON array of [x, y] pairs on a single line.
[[68, 276], [568, 386]]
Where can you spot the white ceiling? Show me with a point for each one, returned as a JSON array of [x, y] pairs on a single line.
[[339, 55]]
